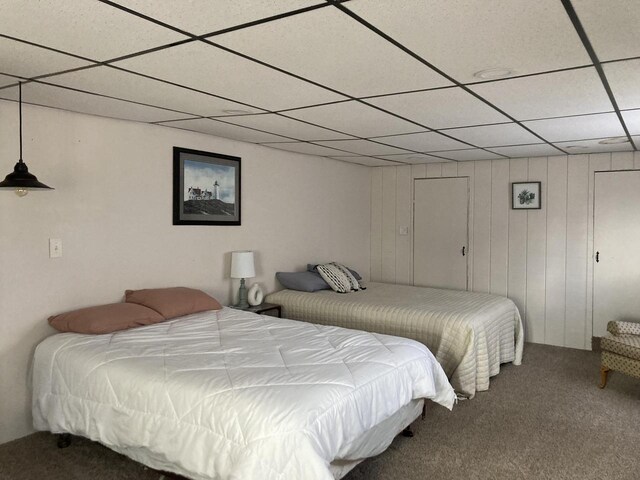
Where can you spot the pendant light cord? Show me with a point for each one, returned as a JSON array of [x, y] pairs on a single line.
[[20, 100]]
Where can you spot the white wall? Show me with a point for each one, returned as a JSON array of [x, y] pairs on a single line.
[[112, 208], [541, 259]]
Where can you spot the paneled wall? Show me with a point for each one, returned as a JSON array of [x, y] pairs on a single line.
[[541, 259]]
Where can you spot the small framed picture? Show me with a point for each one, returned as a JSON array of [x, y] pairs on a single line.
[[206, 188], [525, 196]]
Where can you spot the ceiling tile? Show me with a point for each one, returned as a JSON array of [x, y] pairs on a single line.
[[539, 150], [368, 161], [422, 142], [285, 126], [494, 135], [301, 147], [205, 16], [462, 37], [28, 61], [449, 107], [330, 48], [7, 80], [212, 70], [592, 146], [219, 129], [612, 26], [577, 128], [363, 147], [57, 97], [91, 29], [469, 155], [555, 94], [128, 86], [414, 158], [631, 119], [354, 118], [624, 78]]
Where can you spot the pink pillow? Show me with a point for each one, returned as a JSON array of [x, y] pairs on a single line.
[[173, 302], [105, 318]]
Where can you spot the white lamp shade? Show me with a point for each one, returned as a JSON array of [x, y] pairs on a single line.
[[242, 265]]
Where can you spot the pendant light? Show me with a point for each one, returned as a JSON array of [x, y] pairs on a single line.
[[21, 181]]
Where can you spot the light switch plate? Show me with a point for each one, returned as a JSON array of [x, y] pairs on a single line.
[[55, 248], [403, 231]]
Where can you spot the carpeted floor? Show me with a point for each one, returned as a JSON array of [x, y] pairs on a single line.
[[543, 420]]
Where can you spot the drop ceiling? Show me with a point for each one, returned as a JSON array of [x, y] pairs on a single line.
[[373, 82]]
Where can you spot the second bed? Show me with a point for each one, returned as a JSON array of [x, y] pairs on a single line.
[[470, 333]]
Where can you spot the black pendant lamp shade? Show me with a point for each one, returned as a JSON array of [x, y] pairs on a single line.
[[20, 179]]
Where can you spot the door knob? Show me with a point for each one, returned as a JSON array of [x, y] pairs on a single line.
[[597, 257]]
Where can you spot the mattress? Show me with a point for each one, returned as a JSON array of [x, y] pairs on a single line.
[[233, 395], [470, 333]]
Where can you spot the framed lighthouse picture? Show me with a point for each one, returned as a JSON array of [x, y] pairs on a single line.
[[206, 188]]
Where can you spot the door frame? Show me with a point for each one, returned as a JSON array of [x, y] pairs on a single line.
[[469, 254]]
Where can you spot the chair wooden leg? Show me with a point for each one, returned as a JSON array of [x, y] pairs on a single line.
[[604, 372]]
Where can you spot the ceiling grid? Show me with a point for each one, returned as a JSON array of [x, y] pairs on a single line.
[[373, 82]]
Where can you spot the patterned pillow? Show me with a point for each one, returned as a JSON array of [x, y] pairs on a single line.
[[339, 277], [353, 281], [335, 277]]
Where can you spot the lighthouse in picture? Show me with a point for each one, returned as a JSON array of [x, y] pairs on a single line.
[[216, 196]]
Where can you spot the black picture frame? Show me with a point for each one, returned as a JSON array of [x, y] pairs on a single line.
[[526, 195], [206, 188]]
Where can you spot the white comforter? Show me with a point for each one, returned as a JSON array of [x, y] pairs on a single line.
[[231, 394]]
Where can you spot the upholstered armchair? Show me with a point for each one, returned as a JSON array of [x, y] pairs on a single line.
[[620, 350]]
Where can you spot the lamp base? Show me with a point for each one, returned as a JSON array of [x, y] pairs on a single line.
[[242, 296]]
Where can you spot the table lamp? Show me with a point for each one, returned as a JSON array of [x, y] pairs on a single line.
[[242, 267]]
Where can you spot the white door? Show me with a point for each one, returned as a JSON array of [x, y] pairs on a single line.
[[440, 232], [616, 269]]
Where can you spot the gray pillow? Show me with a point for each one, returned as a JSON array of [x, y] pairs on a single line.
[[302, 281], [312, 267]]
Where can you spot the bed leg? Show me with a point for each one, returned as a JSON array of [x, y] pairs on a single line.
[[407, 432], [424, 410], [64, 440]]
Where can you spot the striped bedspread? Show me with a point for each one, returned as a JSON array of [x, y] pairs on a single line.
[[470, 333]]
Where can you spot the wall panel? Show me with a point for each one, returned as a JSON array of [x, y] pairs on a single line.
[[499, 241], [450, 169], [389, 191], [434, 170], [404, 200], [536, 255], [556, 251], [517, 257], [541, 259], [576, 251], [482, 226], [622, 161], [376, 225]]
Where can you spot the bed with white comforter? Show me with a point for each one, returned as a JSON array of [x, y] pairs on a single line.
[[233, 395], [470, 333]]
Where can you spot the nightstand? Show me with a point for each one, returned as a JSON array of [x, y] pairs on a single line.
[[262, 308]]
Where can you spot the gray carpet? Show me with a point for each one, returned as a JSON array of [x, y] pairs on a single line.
[[543, 420]]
